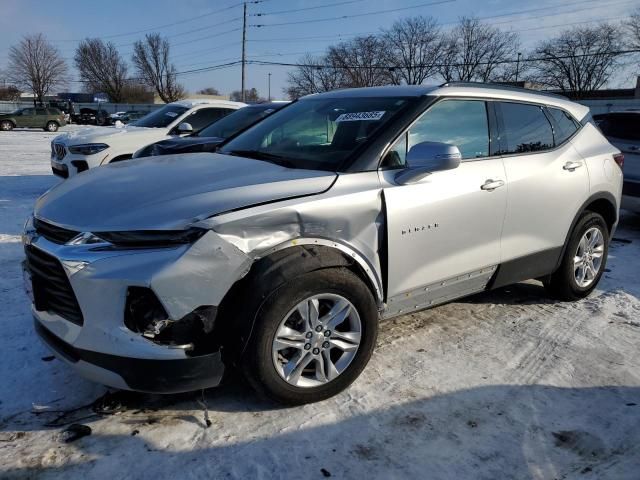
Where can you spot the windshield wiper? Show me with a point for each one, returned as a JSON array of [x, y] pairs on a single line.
[[260, 155]]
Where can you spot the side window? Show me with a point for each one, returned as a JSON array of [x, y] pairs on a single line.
[[565, 126], [526, 128], [462, 123], [620, 125], [41, 111], [205, 116], [29, 111], [458, 122]]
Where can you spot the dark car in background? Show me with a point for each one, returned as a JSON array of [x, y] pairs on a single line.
[[49, 119], [622, 129], [208, 139]]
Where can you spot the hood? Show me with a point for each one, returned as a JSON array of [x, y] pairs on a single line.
[[186, 145], [107, 134], [170, 192]]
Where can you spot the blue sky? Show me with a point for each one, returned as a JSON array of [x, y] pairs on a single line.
[[202, 34]]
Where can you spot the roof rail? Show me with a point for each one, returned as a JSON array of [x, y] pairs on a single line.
[[497, 85]]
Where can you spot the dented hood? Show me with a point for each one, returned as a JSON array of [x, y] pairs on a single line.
[[170, 192]]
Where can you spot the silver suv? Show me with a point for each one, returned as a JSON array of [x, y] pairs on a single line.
[[281, 253]]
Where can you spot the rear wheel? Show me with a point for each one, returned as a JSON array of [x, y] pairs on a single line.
[[51, 127], [584, 259], [312, 338], [6, 125]]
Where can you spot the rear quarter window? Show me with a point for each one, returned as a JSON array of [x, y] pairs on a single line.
[[564, 125]]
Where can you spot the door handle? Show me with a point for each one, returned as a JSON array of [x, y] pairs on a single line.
[[491, 185], [571, 166]]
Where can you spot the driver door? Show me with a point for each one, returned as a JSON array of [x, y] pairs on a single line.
[[444, 231]]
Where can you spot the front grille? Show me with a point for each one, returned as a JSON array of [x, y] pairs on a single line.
[[52, 291], [53, 233], [58, 150]]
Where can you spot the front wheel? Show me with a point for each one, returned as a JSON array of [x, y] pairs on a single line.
[[6, 126], [51, 127], [584, 259], [312, 338]]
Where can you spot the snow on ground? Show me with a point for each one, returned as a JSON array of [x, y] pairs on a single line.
[[506, 384]]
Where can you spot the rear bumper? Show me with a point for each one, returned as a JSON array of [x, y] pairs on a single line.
[[142, 375]]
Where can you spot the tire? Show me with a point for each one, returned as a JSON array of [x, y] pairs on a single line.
[[6, 126], [565, 283], [51, 127], [265, 366]]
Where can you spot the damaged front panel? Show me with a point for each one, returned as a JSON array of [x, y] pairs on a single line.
[[348, 218]]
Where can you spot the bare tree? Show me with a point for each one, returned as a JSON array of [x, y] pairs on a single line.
[[579, 60], [133, 92], [633, 27], [362, 62], [209, 91], [36, 66], [101, 68], [475, 51], [10, 93], [151, 59], [415, 47], [312, 75]]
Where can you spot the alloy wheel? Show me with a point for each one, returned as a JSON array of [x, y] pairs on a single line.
[[317, 340], [587, 260]]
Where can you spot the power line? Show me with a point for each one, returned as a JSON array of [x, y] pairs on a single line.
[[392, 67], [379, 12], [306, 8]]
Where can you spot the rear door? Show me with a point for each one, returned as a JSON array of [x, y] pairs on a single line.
[[547, 183], [444, 231], [41, 117]]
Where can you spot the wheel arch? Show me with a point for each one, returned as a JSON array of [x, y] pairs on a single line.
[[603, 203], [271, 271]]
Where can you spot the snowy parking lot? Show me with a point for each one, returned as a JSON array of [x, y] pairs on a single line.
[[504, 384]]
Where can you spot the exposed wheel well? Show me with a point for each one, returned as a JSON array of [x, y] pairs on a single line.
[[605, 208], [267, 275]]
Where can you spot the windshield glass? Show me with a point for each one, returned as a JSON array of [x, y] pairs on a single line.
[[161, 117], [234, 122], [316, 133]]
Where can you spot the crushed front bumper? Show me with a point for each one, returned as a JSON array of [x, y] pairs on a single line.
[[101, 348]]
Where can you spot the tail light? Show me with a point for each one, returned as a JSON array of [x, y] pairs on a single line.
[[619, 159]]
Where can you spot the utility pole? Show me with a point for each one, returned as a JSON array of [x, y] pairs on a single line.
[[244, 42], [518, 66], [269, 88]]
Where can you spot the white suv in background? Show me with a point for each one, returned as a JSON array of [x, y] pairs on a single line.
[[75, 152]]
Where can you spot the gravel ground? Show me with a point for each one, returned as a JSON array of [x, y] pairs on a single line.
[[505, 384]]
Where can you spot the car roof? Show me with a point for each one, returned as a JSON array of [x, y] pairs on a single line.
[[192, 102], [480, 90]]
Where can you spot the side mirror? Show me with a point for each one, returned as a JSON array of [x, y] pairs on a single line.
[[427, 157], [184, 127]]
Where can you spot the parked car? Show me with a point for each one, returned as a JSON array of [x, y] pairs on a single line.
[[281, 253], [208, 139], [81, 150], [49, 119], [622, 129], [86, 116]]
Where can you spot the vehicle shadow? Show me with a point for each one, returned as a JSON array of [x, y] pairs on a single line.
[[498, 431]]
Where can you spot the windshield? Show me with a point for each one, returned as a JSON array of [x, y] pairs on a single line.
[[234, 122], [161, 117], [316, 133]]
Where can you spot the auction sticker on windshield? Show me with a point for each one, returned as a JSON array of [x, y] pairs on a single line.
[[358, 116]]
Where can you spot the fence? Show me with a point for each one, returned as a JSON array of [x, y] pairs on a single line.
[[6, 107]]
